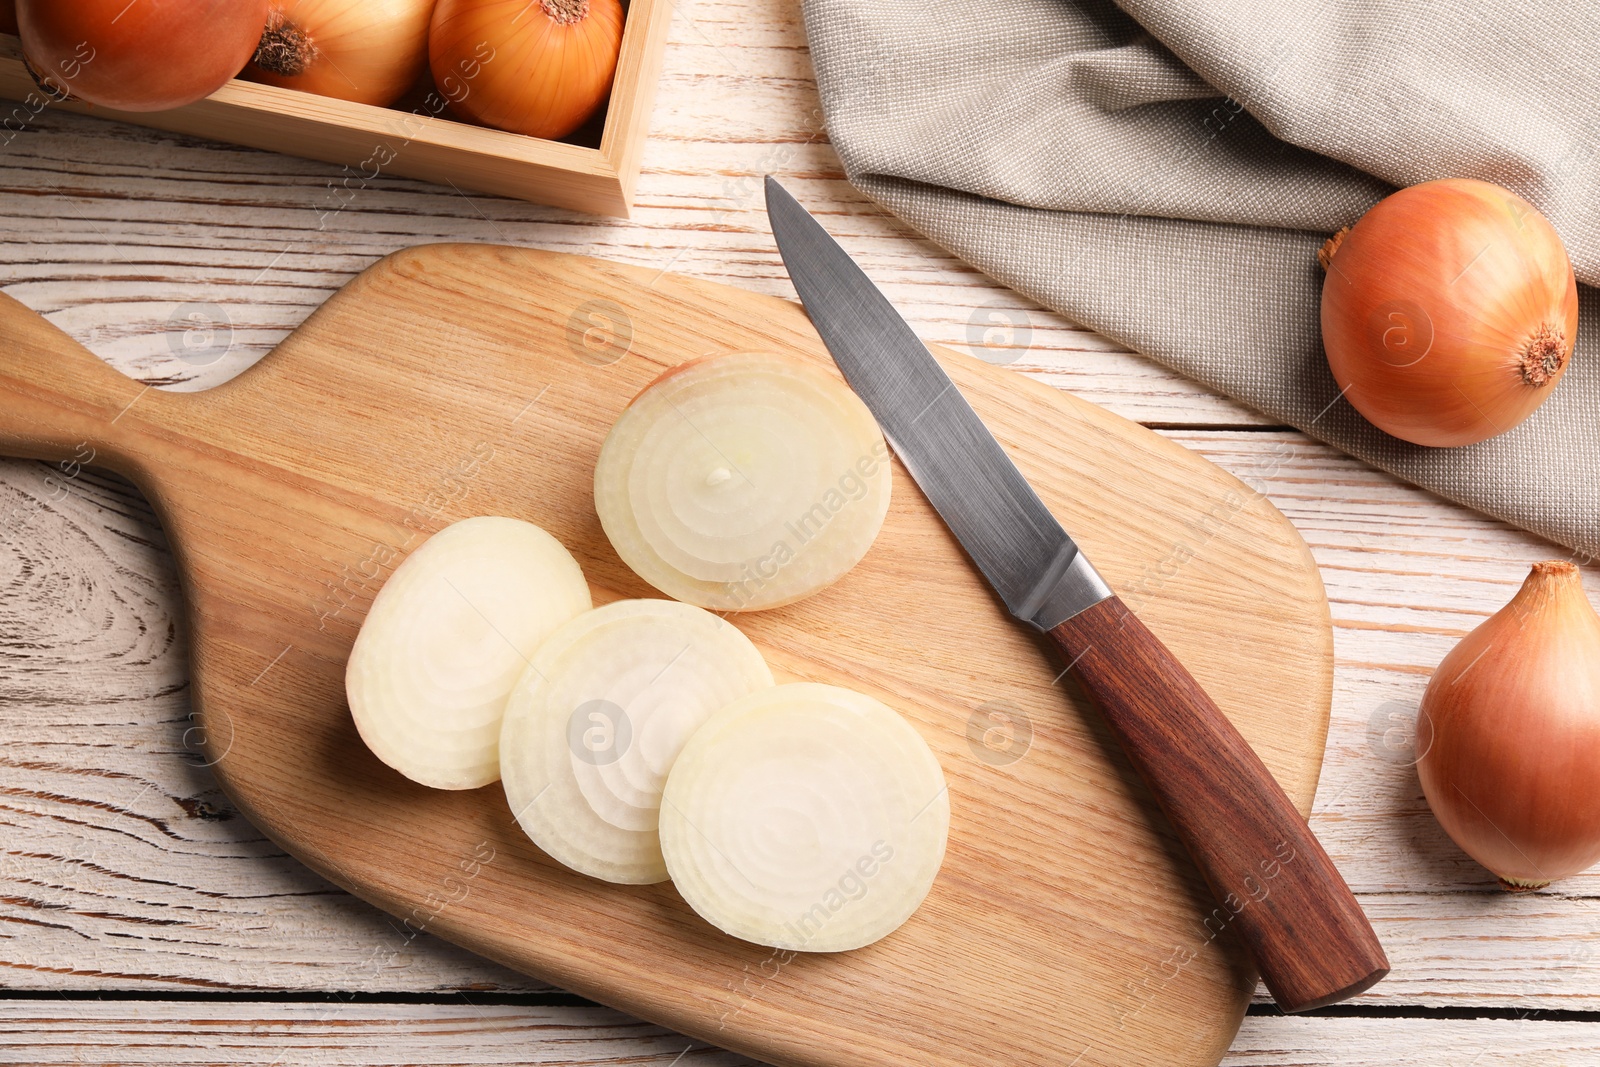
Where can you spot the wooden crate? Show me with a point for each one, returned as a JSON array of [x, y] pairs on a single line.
[[415, 143]]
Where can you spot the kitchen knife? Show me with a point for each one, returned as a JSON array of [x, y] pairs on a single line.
[[1273, 883]]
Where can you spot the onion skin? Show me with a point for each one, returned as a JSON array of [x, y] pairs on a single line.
[[534, 67], [368, 51], [1510, 734], [1449, 312], [148, 56]]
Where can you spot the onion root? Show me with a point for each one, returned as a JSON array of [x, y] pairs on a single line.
[[566, 12], [1544, 355], [285, 49], [1330, 248]]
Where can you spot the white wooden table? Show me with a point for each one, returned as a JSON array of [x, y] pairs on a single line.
[[143, 921]]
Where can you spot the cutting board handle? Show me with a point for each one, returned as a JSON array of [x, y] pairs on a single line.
[[58, 400]]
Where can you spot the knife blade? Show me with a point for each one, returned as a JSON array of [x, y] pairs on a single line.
[[1273, 884]]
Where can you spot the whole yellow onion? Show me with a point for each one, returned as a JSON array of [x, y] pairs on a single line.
[[145, 56], [535, 67], [1448, 312], [1510, 734], [369, 51]]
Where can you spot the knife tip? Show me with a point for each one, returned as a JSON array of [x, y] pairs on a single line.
[[776, 192]]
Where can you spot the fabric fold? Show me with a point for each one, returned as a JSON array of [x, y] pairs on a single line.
[[1162, 178]]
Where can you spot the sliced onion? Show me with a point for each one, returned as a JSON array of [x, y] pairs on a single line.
[[598, 718], [743, 482], [447, 637], [805, 817]]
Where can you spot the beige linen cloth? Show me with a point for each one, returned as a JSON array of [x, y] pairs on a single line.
[[1165, 171]]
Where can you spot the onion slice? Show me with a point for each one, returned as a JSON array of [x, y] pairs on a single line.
[[598, 718], [743, 482], [447, 637], [805, 817]]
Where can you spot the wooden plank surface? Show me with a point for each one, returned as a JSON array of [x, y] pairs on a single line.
[[275, 485], [112, 231], [471, 1031]]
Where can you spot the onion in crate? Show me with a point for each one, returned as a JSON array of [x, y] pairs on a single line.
[[535, 67], [368, 51], [148, 55]]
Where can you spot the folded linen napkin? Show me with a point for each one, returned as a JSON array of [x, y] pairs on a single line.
[[1165, 171]]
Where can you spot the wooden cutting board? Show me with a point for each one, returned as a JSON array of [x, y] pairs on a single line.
[[447, 381]]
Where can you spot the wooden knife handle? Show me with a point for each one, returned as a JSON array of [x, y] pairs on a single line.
[[1273, 883]]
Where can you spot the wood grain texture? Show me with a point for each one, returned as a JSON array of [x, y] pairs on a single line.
[[102, 760], [112, 231], [289, 493], [1273, 885], [471, 1032], [1407, 574]]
